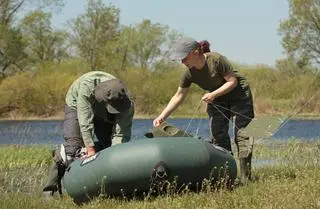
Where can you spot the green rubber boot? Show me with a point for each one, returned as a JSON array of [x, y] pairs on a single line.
[[245, 170], [55, 174]]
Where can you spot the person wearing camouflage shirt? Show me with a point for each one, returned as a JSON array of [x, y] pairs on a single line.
[[98, 113]]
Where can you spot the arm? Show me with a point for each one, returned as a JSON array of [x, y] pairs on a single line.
[[85, 117], [231, 83], [225, 69], [123, 126], [175, 101]]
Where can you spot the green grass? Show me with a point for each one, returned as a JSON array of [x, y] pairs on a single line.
[[291, 180]]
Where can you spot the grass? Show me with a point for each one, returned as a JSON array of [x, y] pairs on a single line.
[[291, 180]]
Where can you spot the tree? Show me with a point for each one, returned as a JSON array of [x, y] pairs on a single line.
[[145, 45], [12, 43], [301, 31], [9, 8], [150, 43], [122, 46], [94, 31], [291, 67], [44, 44], [11, 49]]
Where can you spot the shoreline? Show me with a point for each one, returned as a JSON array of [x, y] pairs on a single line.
[[60, 117]]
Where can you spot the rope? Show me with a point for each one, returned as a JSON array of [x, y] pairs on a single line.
[[215, 106], [197, 111], [286, 120], [236, 113], [198, 127], [289, 117]]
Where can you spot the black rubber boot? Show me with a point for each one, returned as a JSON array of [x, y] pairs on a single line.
[[52, 181], [55, 174], [245, 170]]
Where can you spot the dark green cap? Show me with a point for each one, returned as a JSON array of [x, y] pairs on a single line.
[[114, 94]]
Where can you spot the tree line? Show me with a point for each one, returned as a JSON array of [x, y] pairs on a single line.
[[95, 36], [31, 48]]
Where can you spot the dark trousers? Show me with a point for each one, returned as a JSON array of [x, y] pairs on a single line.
[[220, 113], [72, 135], [73, 143]]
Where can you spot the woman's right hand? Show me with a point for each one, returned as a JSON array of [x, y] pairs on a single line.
[[158, 121]]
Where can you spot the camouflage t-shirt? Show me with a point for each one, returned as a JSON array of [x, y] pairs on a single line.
[[211, 77]]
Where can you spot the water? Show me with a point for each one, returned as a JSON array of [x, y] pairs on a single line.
[[307, 129], [50, 132]]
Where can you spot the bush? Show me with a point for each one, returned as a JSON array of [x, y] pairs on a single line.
[[42, 92]]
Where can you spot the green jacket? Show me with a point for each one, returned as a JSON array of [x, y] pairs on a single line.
[[80, 97]]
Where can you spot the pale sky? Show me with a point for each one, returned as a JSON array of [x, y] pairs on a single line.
[[245, 31]]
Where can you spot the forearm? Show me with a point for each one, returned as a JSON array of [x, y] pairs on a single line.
[[86, 127], [172, 106], [225, 88], [87, 139], [85, 116]]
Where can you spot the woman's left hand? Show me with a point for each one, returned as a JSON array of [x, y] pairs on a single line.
[[208, 97]]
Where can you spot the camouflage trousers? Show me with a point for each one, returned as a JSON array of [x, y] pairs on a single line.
[[220, 113]]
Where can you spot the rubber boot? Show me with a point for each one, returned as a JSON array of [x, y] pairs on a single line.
[[245, 170], [55, 174], [52, 181]]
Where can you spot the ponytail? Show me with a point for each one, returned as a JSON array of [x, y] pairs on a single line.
[[204, 46]]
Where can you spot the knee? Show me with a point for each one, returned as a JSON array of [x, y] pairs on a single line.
[[245, 146], [72, 145], [242, 135], [222, 142], [220, 137]]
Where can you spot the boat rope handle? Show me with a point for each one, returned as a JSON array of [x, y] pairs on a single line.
[[196, 113]]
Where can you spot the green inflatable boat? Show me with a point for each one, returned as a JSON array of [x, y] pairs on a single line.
[[134, 167]]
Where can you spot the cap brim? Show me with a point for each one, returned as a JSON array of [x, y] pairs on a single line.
[[119, 106]]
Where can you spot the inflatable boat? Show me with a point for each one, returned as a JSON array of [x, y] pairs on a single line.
[[135, 166]]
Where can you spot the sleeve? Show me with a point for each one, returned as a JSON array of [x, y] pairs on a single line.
[[224, 67], [122, 132], [85, 115], [186, 80]]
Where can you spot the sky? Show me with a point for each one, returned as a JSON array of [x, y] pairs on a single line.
[[245, 31]]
